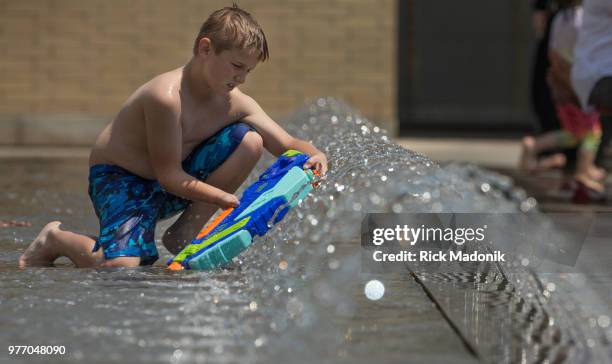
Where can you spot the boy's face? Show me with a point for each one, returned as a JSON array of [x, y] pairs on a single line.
[[228, 69]]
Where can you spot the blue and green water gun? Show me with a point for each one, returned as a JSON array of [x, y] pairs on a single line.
[[262, 204]]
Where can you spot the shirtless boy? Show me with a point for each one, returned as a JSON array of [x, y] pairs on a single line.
[[184, 141]]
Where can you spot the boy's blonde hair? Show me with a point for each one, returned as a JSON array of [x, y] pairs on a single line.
[[232, 27]]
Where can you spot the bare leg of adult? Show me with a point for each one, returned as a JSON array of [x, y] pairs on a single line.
[[228, 177]]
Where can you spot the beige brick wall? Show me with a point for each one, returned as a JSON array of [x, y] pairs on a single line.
[[71, 56]]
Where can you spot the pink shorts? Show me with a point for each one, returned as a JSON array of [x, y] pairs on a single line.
[[576, 121]]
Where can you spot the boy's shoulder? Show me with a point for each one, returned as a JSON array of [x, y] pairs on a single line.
[[162, 90], [165, 90], [163, 95]]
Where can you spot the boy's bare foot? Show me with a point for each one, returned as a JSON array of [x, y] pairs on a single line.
[[40, 252], [528, 160]]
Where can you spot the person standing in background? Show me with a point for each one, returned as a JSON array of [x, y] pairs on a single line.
[[580, 128], [541, 98], [591, 74]]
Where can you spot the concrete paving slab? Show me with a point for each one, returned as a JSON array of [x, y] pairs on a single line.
[[61, 129], [14, 152], [484, 152]]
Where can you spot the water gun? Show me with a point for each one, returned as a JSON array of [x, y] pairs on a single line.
[[262, 204]]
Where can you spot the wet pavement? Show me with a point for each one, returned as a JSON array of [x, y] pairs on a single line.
[[547, 188]]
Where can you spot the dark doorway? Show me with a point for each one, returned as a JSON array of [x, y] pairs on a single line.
[[464, 67]]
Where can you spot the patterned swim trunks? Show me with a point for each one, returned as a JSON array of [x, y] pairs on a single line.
[[129, 206]]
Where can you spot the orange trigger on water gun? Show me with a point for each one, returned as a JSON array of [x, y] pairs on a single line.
[[213, 224]]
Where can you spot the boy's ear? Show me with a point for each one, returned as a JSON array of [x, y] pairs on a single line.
[[204, 46]]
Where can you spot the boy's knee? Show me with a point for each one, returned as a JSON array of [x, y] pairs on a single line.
[[253, 142], [127, 262]]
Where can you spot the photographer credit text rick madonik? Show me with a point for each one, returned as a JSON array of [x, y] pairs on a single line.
[[423, 234]]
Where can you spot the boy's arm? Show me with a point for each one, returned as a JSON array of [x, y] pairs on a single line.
[[164, 143], [276, 140]]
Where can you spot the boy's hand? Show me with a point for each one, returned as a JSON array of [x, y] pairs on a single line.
[[319, 161], [226, 200]]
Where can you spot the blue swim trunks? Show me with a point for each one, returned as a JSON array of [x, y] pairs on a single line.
[[129, 206]]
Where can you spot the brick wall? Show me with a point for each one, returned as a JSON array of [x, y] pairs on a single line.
[[73, 57]]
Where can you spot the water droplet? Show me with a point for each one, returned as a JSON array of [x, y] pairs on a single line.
[[334, 264], [282, 265], [603, 321], [260, 341], [176, 355], [375, 198], [374, 290]]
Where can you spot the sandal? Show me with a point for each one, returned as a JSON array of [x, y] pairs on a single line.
[[586, 195]]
